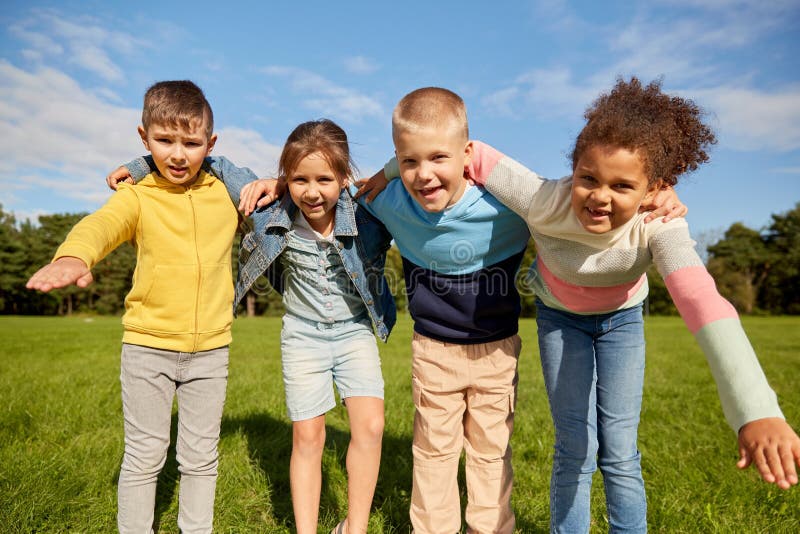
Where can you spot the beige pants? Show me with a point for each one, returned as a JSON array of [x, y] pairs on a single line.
[[464, 398]]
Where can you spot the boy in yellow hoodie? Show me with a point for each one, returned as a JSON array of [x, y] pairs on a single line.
[[177, 314]]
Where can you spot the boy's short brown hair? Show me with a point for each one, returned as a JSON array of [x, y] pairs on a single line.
[[428, 107], [176, 103]]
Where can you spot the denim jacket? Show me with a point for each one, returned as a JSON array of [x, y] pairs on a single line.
[[360, 239]]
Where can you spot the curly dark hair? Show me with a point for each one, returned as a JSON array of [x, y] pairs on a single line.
[[666, 130]]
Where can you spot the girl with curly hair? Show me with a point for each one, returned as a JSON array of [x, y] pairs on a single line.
[[593, 249]]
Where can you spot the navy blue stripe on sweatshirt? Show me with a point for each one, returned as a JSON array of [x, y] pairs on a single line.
[[477, 307]]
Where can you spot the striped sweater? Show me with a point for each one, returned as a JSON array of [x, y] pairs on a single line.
[[588, 273]]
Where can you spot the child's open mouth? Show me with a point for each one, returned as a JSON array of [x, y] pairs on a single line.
[[429, 192], [177, 171], [598, 213]]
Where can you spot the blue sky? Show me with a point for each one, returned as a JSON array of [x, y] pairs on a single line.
[[72, 76]]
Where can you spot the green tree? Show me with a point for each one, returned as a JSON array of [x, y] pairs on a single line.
[[40, 243], [12, 264], [659, 301], [739, 263], [780, 292], [527, 296]]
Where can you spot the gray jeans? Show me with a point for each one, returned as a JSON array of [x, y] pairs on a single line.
[[150, 379]]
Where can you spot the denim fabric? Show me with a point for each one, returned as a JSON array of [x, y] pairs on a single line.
[[360, 239], [316, 285], [316, 354], [150, 379], [593, 369]]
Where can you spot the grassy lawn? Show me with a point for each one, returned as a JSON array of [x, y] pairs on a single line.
[[61, 435]]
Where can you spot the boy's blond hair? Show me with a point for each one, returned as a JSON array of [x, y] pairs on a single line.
[[178, 103], [430, 107]]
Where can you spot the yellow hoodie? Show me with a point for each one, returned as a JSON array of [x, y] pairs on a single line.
[[182, 292]]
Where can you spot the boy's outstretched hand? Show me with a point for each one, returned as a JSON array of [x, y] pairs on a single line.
[[773, 447], [120, 174], [373, 186], [665, 203], [61, 273]]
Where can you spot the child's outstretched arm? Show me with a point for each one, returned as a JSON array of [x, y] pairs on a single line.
[[65, 271], [774, 448]]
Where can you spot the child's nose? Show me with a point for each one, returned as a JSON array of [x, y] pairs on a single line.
[[602, 194], [178, 153], [425, 172]]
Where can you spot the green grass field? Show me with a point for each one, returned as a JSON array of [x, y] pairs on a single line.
[[61, 435]]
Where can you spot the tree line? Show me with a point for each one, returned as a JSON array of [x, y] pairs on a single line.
[[758, 271]]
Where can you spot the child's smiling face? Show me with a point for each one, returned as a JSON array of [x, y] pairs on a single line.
[[608, 186], [432, 162], [315, 189]]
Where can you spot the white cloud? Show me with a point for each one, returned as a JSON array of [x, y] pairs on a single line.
[[750, 119], [544, 93], [690, 51], [62, 139], [326, 97], [246, 148], [360, 65], [54, 129], [82, 41]]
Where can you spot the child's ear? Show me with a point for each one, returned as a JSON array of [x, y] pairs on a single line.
[[143, 135], [211, 142], [468, 148], [652, 189]]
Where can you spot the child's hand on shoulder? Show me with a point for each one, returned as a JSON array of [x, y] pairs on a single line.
[[773, 447], [64, 271], [120, 174], [373, 186], [259, 193], [665, 203]]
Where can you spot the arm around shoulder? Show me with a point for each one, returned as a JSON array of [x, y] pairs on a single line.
[[506, 179]]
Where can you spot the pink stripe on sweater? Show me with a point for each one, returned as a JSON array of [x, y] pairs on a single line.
[[484, 159], [583, 299], [696, 296]]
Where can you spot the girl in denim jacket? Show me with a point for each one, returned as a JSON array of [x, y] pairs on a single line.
[[326, 256]]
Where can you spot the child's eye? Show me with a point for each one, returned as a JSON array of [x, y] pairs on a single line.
[[163, 140], [408, 161], [588, 178]]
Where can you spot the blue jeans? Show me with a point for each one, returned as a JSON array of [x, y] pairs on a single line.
[[593, 369]]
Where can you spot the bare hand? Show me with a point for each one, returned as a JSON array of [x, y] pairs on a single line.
[[665, 203], [61, 273], [259, 193], [773, 447], [373, 186], [120, 174]]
